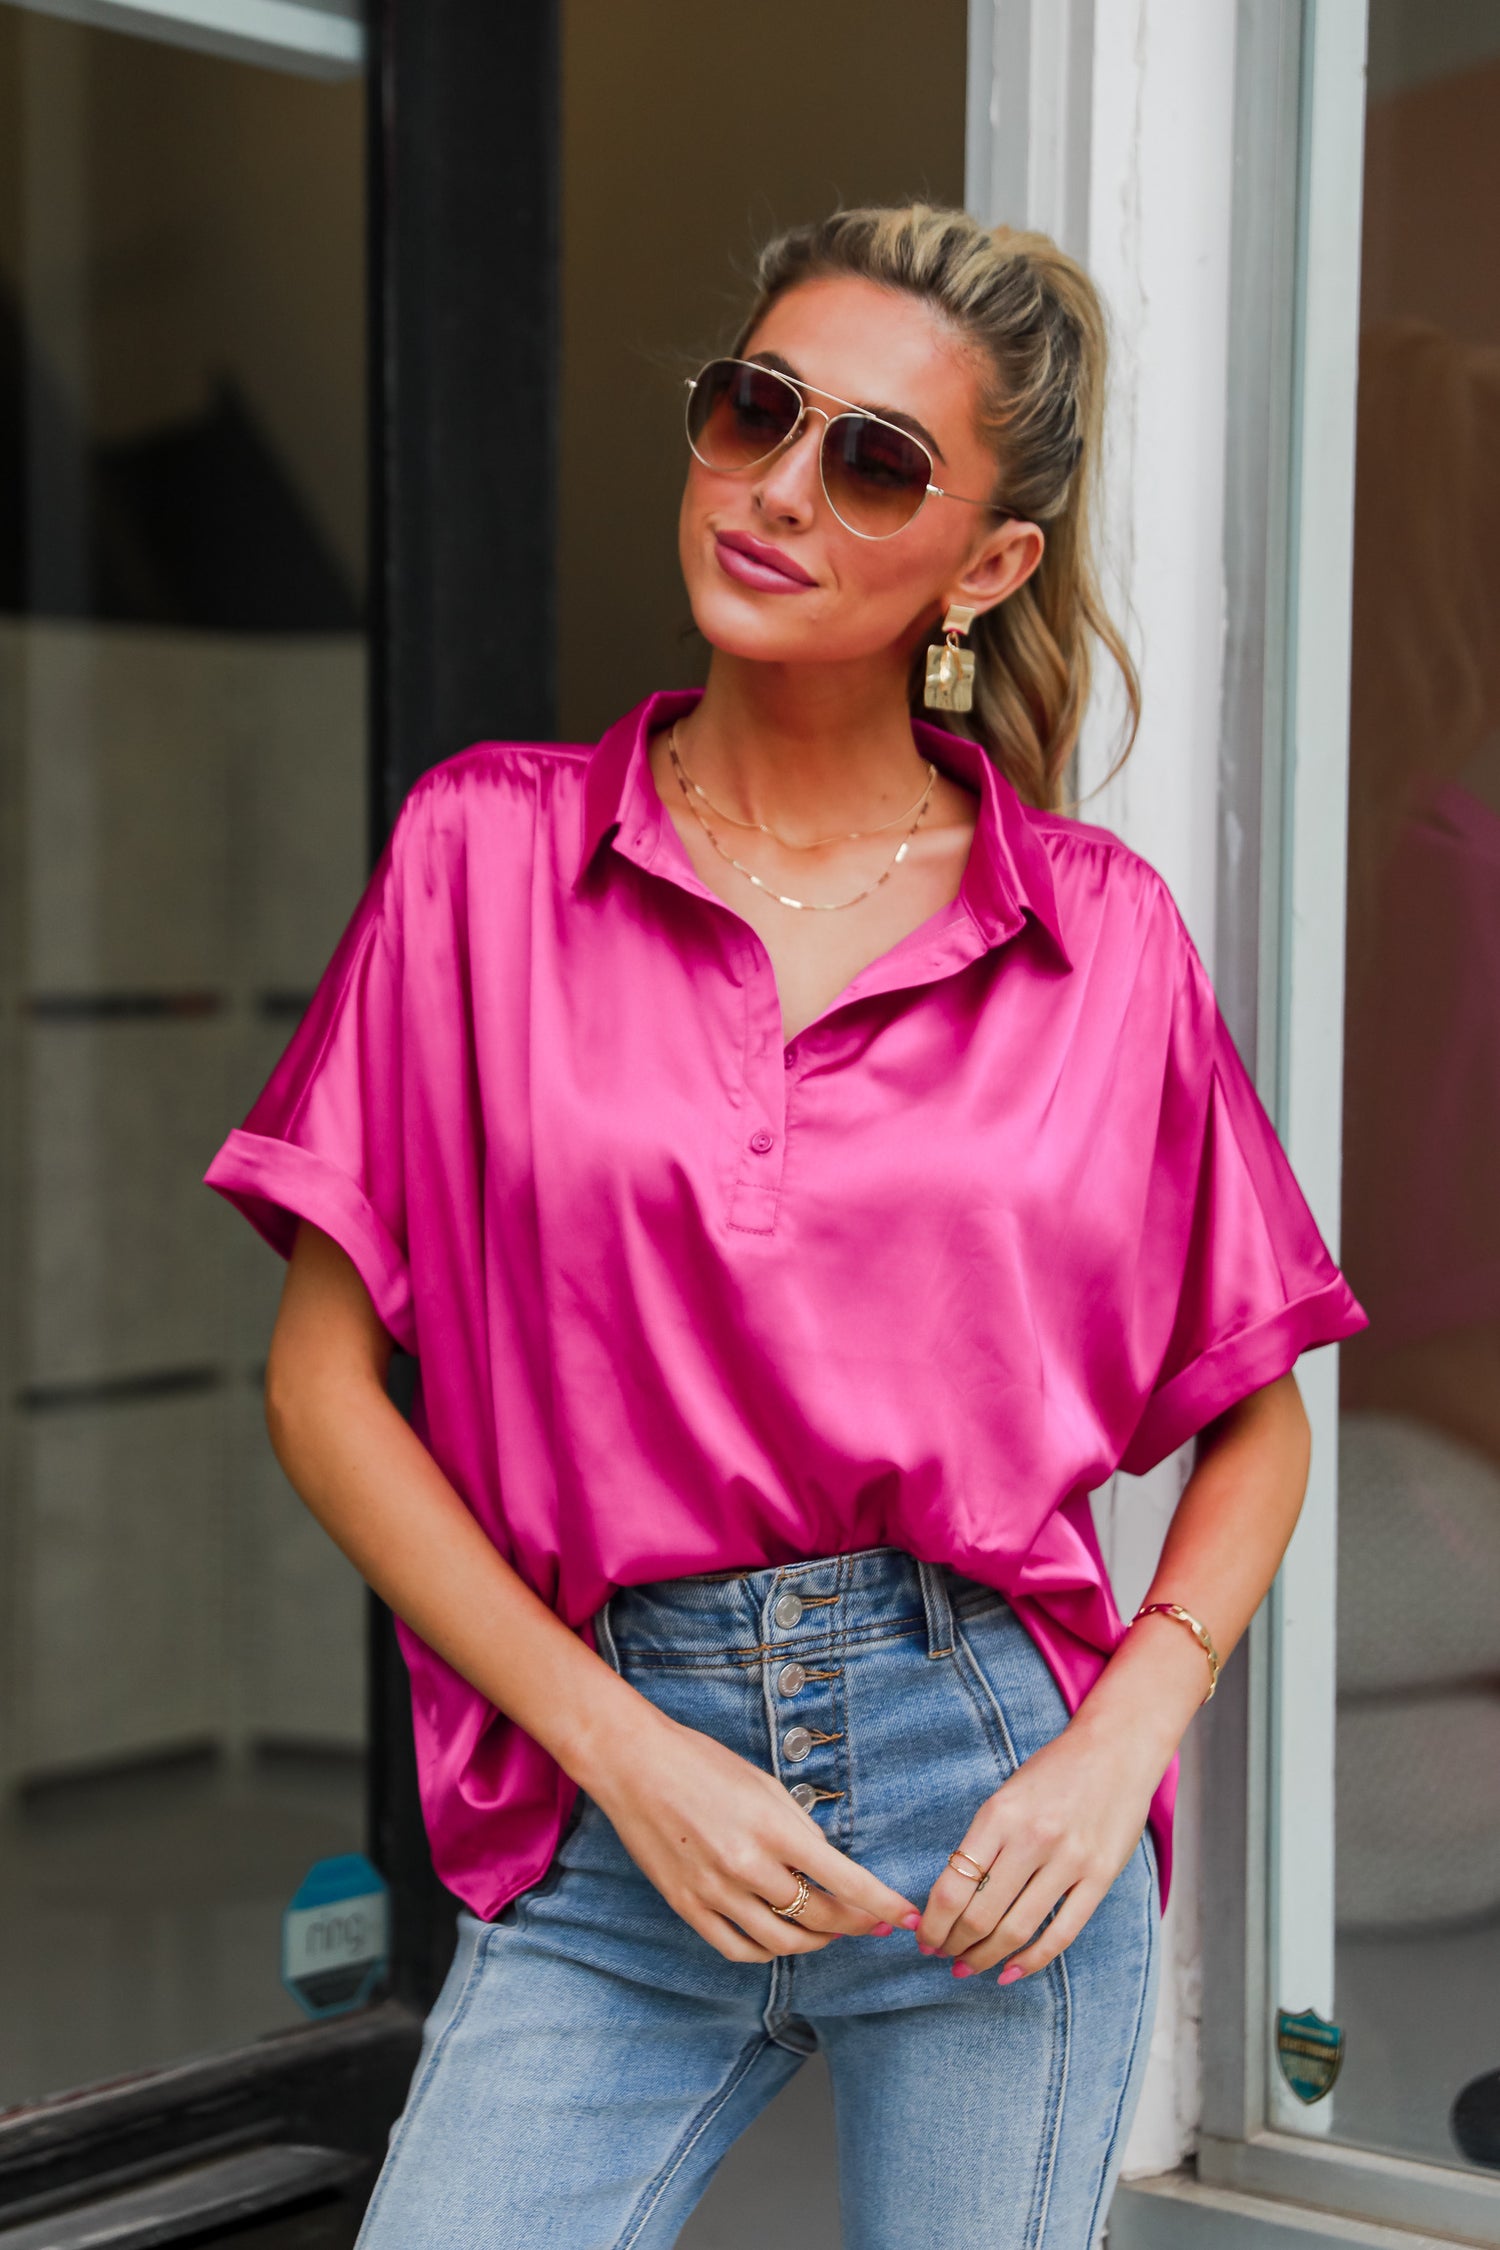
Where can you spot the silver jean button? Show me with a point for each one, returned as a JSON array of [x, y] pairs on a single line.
[[805, 1795], [796, 1743], [787, 1610], [790, 1678]]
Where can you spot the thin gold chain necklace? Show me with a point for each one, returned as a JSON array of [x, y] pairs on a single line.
[[842, 836], [805, 905]]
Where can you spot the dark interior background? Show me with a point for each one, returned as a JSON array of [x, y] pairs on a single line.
[[689, 135]]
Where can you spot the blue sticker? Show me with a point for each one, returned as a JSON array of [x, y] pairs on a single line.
[[1310, 2051], [335, 1935]]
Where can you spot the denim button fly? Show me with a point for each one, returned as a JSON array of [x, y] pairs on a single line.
[[788, 1610], [796, 1743], [790, 1678]]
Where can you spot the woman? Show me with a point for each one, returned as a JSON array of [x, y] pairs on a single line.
[[804, 1166]]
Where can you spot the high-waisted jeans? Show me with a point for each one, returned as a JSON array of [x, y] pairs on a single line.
[[590, 2058]]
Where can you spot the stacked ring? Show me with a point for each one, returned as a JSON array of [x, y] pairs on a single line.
[[980, 1875], [789, 1913]]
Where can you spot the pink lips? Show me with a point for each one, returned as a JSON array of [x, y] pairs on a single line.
[[755, 564]]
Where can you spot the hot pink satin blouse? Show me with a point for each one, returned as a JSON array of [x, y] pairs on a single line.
[[685, 1297]]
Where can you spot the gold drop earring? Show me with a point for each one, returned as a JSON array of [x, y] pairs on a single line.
[[950, 669]]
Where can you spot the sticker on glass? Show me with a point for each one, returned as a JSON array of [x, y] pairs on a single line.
[[335, 1935], [1310, 2051]]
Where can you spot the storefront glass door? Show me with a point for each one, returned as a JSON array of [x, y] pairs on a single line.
[[1417, 1893], [183, 830]]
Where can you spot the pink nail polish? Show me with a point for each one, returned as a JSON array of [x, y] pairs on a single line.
[[911, 1921], [1012, 1975], [921, 1948], [882, 1929], [962, 1969]]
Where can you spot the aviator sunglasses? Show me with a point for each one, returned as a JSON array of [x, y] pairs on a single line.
[[876, 476]]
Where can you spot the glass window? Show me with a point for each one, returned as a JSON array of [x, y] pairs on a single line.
[[183, 832], [1418, 1712]]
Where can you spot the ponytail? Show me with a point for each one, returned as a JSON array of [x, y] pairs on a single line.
[[1038, 325]]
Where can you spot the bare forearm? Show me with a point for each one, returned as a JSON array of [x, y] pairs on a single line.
[[1225, 1542], [382, 1498], [715, 1834]]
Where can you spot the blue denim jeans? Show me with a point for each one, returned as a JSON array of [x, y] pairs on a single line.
[[590, 2058]]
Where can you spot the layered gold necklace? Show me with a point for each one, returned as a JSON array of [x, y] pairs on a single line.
[[692, 790]]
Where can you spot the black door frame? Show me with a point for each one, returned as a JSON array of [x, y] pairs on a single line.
[[463, 363], [464, 354]]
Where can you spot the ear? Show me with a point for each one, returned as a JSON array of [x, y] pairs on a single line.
[[1002, 562]]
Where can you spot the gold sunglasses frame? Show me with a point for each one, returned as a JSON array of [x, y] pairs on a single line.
[[852, 411]]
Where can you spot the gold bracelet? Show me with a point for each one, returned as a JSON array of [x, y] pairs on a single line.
[[1200, 1633]]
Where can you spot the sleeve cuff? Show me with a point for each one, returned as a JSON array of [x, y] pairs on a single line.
[[275, 1183], [1229, 1371]]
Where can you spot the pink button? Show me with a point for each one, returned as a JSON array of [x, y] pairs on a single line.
[[762, 1141]]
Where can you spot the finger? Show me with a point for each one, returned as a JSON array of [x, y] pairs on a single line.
[[834, 1916], [958, 1910], [769, 1869], [1012, 1878], [953, 1892], [820, 1911], [854, 1887], [1023, 1918], [723, 1935], [1073, 1902], [778, 1933], [1058, 1935]]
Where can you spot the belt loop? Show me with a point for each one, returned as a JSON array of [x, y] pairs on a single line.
[[604, 1638], [938, 1607]]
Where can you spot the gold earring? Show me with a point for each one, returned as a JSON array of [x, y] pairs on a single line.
[[950, 669]]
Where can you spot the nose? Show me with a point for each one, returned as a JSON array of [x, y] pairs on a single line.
[[789, 489]]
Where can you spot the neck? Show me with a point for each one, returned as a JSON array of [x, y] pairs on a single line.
[[804, 746]]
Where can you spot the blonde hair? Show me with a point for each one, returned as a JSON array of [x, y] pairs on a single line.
[[1035, 322]]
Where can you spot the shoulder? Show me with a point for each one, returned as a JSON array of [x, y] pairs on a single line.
[[1074, 846], [486, 772], [1108, 893], [493, 796]]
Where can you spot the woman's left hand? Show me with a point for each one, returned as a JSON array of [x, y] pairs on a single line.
[[1056, 1834]]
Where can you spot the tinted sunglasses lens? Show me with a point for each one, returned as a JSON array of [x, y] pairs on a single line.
[[875, 476], [737, 414]]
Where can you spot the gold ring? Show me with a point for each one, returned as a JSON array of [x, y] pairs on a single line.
[[789, 1913], [979, 1872]]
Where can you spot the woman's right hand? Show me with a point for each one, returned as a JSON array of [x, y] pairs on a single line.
[[721, 1840], [717, 1836]]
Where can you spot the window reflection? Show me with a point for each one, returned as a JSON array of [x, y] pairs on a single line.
[[182, 834], [1419, 1553]]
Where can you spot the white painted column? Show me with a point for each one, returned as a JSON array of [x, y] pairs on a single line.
[[1110, 124]]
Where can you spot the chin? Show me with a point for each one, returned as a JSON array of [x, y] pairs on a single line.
[[778, 629], [824, 628], [734, 629]]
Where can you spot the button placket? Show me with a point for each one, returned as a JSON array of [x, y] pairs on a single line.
[[809, 1743], [760, 1120]]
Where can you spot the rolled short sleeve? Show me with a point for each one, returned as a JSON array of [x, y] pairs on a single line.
[[1239, 1267], [324, 1139]]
